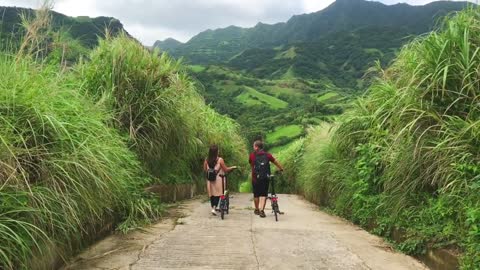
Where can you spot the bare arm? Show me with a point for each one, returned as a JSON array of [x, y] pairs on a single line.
[[205, 166], [224, 167], [278, 165]]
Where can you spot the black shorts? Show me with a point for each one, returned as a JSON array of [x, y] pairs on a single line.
[[260, 188]]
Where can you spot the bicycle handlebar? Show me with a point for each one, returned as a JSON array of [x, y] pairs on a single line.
[[278, 174], [225, 173]]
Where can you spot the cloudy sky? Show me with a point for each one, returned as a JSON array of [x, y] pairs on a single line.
[[151, 20]]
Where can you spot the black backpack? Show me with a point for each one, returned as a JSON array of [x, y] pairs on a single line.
[[211, 173], [262, 166]]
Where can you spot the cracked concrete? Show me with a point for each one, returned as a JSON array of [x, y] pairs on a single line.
[[304, 238], [252, 235], [121, 252]]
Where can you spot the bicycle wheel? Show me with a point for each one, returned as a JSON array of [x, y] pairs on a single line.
[[227, 204], [222, 208], [275, 210]]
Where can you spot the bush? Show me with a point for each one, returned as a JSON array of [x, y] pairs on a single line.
[[156, 105], [406, 157], [63, 172], [79, 148]]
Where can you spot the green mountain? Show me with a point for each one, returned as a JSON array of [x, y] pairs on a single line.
[[168, 44], [344, 17], [84, 29], [276, 78]]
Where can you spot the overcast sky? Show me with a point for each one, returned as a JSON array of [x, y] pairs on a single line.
[[151, 20]]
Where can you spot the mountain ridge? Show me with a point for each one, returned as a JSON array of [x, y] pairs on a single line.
[[83, 28], [342, 15]]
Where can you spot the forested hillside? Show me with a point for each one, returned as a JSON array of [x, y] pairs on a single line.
[[86, 30], [305, 70]]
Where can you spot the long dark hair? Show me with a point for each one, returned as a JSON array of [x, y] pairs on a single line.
[[212, 155]]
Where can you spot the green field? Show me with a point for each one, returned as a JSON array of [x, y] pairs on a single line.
[[290, 74], [277, 149], [288, 54], [290, 131], [252, 97], [196, 68], [327, 96], [277, 89]]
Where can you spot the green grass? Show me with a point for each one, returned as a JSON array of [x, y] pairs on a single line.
[[288, 54], [196, 68], [66, 173], [290, 131], [278, 149], [246, 186], [406, 155], [252, 97], [290, 74], [279, 89], [79, 147], [327, 97]]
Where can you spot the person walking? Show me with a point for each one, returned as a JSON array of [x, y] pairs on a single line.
[[260, 163], [214, 166]]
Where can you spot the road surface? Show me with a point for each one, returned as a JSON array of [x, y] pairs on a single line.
[[303, 238]]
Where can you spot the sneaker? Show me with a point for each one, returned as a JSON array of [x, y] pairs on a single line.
[[256, 212], [262, 214], [213, 212]]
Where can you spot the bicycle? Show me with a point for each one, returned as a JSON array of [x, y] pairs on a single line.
[[225, 197], [274, 199]]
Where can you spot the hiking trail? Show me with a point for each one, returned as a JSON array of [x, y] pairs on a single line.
[[303, 238]]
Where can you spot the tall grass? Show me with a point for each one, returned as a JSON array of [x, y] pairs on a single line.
[[64, 173], [156, 105], [79, 145], [407, 155]]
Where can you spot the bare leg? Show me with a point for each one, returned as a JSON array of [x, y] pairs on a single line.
[[263, 201], [208, 189], [255, 200]]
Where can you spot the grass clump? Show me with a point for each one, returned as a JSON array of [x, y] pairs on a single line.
[[156, 105], [284, 133], [406, 156], [80, 144], [63, 173]]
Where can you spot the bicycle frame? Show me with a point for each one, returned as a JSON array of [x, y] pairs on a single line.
[[274, 198], [224, 198]]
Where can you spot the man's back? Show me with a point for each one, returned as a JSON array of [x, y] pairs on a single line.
[[260, 162]]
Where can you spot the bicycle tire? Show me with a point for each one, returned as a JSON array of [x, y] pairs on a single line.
[[227, 204], [275, 210]]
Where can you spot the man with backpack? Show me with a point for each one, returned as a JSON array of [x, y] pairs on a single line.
[[260, 162]]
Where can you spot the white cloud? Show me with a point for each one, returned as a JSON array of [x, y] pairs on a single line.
[[78, 8], [21, 3], [151, 34], [310, 6], [150, 20]]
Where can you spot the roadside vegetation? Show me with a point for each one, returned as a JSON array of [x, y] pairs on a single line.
[[81, 142], [404, 162]]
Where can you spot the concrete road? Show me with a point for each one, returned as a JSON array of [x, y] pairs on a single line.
[[303, 238]]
